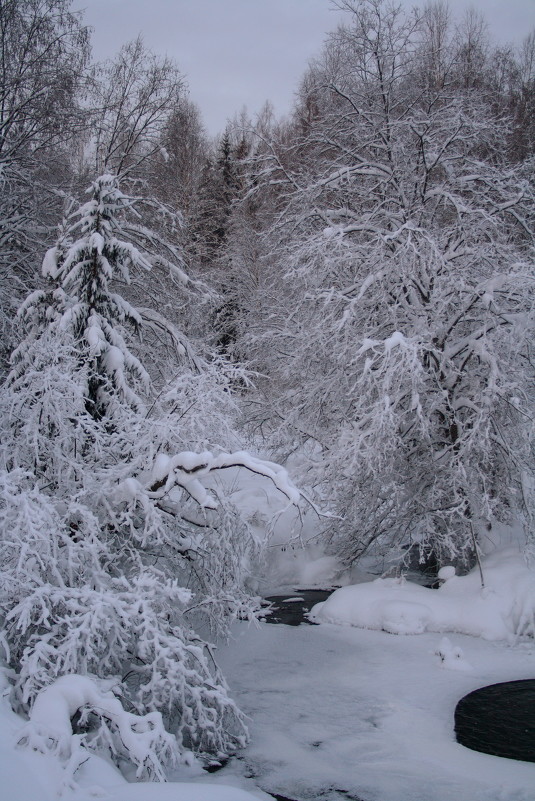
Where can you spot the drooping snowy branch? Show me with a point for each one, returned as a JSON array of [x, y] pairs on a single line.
[[140, 738], [187, 469]]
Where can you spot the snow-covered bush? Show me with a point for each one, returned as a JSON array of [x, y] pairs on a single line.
[[142, 739], [112, 544]]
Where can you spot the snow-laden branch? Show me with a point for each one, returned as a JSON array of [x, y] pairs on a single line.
[[143, 737], [153, 319], [187, 468]]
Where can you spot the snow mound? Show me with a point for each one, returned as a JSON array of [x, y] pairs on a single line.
[[503, 609], [452, 657]]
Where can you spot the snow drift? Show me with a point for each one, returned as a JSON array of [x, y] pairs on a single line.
[[504, 609]]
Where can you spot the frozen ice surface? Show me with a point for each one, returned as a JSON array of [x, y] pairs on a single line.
[[339, 712]]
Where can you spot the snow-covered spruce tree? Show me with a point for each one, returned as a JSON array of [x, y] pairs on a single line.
[[404, 341], [112, 544]]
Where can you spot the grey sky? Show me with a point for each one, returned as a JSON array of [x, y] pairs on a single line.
[[237, 53]]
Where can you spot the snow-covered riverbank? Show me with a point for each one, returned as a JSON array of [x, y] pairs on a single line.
[[340, 713], [336, 713]]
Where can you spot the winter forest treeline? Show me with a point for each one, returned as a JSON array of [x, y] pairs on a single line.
[[351, 287]]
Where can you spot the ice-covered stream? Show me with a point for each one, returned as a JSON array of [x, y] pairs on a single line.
[[342, 713]]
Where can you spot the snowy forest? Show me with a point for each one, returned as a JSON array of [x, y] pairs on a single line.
[[325, 319]]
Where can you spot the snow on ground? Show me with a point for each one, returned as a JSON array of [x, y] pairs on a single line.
[[339, 713], [336, 713], [28, 775], [502, 609]]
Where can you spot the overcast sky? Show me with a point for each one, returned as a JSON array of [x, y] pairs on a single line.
[[237, 53]]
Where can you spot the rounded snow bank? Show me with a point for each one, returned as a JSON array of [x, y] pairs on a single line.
[[501, 610]]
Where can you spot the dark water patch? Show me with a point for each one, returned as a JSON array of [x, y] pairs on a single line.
[[290, 609], [282, 797], [324, 796], [499, 720], [216, 765]]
